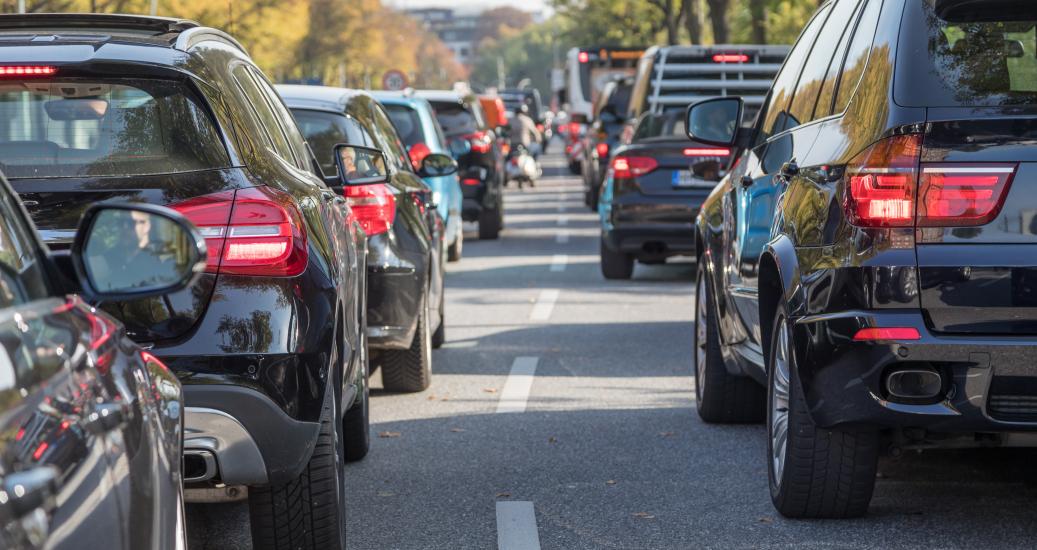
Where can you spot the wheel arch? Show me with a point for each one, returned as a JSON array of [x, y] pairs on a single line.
[[778, 279]]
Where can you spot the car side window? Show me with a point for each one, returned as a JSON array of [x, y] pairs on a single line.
[[291, 129], [774, 115], [803, 101], [21, 273], [827, 93], [858, 54], [386, 133], [264, 113]]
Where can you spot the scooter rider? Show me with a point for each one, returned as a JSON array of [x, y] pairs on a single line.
[[524, 131]]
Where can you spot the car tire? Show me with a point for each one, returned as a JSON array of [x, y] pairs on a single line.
[[410, 370], [574, 168], [489, 223], [308, 511], [813, 472], [591, 199], [615, 265], [439, 336], [720, 397], [453, 252], [356, 424]]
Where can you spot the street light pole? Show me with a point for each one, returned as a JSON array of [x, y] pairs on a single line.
[[21, 6], [154, 7]]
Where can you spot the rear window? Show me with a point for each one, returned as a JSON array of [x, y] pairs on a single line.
[[953, 53], [407, 123], [455, 119], [668, 125], [67, 128], [323, 131]]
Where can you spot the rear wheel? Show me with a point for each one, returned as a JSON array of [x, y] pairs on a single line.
[[439, 336], [615, 265], [814, 472], [720, 397], [410, 370], [489, 223], [356, 425], [308, 511]]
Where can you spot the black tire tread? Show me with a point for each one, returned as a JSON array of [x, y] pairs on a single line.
[[489, 224], [406, 370], [615, 265]]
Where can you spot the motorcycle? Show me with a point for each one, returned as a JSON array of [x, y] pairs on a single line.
[[522, 168]]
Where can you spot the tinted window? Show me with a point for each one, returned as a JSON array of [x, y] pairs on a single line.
[[455, 119], [284, 117], [324, 131], [802, 107], [264, 113], [407, 124], [667, 125], [858, 54], [21, 277], [827, 94], [105, 128], [390, 141], [775, 116], [954, 54]]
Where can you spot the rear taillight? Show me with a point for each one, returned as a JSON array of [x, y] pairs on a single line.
[[602, 148], [880, 189], [480, 141], [540, 127], [256, 231], [887, 333], [962, 194], [888, 186], [417, 153], [632, 167], [373, 205], [470, 181], [28, 70], [730, 58]]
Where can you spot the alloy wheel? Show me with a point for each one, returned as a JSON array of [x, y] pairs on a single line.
[[701, 316], [779, 400]]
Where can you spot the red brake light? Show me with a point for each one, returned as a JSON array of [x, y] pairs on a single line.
[[730, 58], [887, 333], [417, 153], [373, 205], [480, 141], [707, 152], [28, 70], [880, 191], [602, 148], [583, 57], [470, 181], [962, 195], [540, 127], [255, 231], [42, 448], [631, 167]]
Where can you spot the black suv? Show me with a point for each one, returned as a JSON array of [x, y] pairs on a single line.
[[91, 456], [481, 162], [269, 343], [867, 269]]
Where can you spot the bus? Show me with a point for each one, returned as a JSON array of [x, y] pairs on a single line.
[[588, 70]]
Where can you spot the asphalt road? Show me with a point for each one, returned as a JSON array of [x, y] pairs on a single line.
[[593, 440]]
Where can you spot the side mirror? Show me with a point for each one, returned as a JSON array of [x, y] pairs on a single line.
[[714, 121], [360, 165], [436, 164], [130, 251]]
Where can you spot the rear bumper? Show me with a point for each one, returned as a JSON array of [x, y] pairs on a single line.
[[652, 239], [395, 282], [990, 383]]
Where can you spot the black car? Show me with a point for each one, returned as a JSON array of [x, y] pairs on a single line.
[[269, 342], [481, 161], [871, 258], [603, 136], [406, 251], [92, 423], [652, 193]]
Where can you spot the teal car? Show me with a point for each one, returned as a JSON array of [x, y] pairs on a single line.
[[421, 134]]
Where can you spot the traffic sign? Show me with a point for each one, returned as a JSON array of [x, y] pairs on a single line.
[[394, 80]]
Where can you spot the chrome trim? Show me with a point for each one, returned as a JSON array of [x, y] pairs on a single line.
[[188, 38], [238, 459], [210, 464]]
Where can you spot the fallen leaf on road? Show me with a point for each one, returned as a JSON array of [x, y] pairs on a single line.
[[445, 399], [644, 515], [552, 440], [490, 390], [667, 434], [432, 397], [389, 434], [766, 519], [610, 482], [457, 430], [503, 494]]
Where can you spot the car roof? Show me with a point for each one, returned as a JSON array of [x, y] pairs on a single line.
[[440, 95], [331, 98], [399, 98]]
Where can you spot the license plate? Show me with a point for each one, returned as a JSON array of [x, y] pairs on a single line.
[[684, 178]]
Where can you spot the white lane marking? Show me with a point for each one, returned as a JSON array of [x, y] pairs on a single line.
[[563, 220], [561, 207], [562, 237], [558, 262], [544, 305], [461, 344], [517, 526], [516, 389]]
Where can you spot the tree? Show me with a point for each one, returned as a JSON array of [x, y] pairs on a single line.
[[718, 20], [492, 22], [758, 20], [693, 12]]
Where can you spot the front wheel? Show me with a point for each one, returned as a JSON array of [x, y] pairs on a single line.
[[489, 223], [814, 472], [309, 511]]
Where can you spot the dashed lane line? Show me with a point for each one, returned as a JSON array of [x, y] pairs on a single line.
[[516, 390], [517, 526], [562, 236], [559, 261], [544, 305]]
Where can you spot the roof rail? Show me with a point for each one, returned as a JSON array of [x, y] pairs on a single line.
[[157, 25], [190, 37]]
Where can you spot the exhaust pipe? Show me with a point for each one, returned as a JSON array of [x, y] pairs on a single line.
[[914, 384], [199, 465]]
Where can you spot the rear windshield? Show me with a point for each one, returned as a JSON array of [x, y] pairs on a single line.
[[407, 123], [323, 131], [455, 119], [953, 53], [66, 128], [668, 125], [620, 98]]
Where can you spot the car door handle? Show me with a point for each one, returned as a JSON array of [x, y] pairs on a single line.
[[29, 490], [106, 417], [789, 169]]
